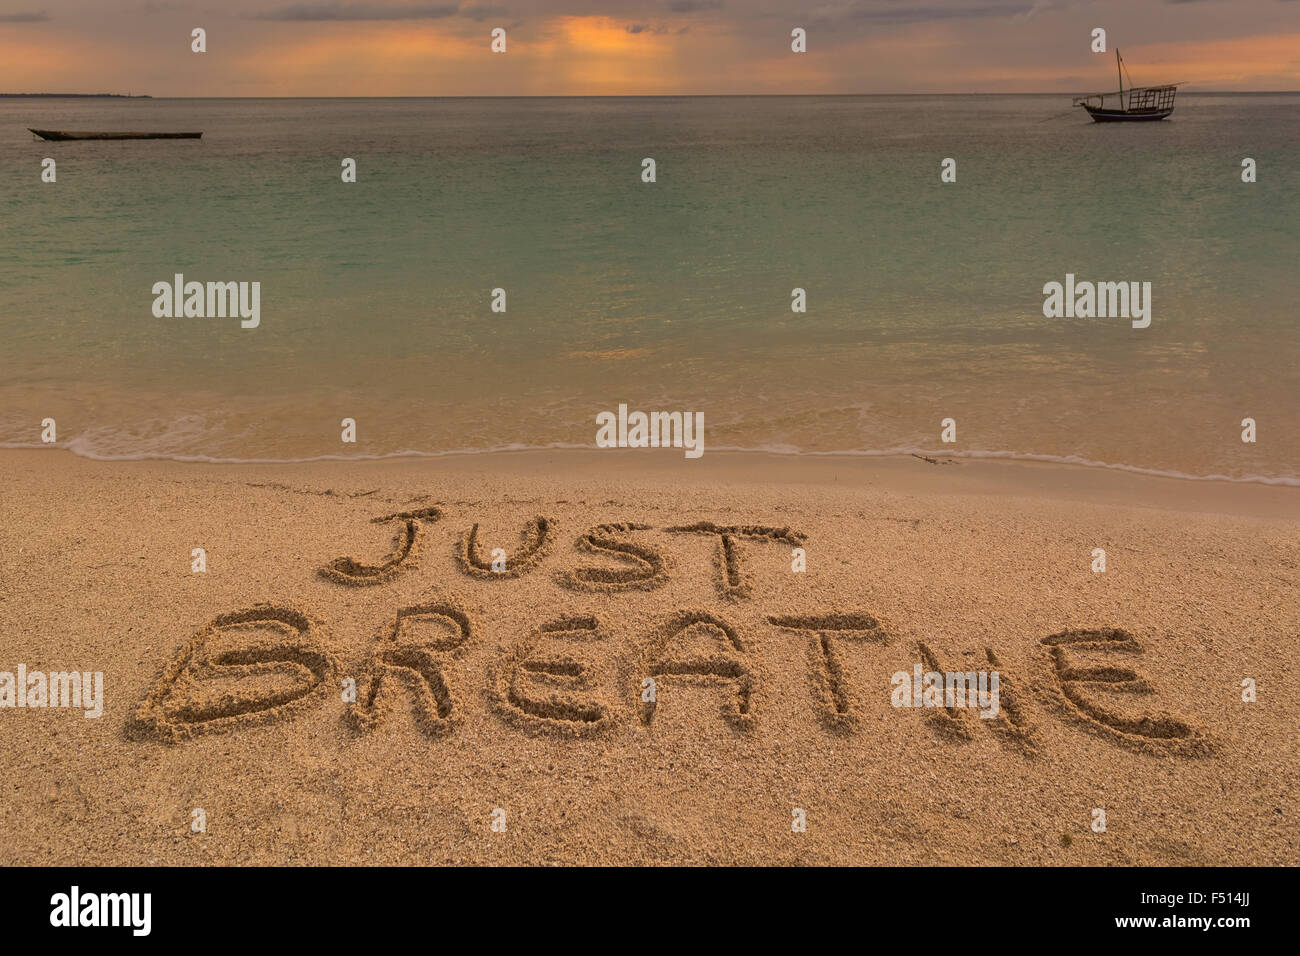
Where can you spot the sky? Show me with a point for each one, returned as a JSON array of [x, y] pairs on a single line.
[[640, 47]]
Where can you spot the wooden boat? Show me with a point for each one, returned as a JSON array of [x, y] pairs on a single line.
[[58, 134], [1137, 103]]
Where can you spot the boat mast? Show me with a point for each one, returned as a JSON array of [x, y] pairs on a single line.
[[1119, 69]]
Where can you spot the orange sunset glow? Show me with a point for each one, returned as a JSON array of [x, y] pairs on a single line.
[[684, 47]]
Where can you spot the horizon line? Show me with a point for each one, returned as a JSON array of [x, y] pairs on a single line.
[[607, 96]]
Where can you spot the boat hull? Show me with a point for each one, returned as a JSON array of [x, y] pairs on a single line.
[[1124, 116], [59, 135]]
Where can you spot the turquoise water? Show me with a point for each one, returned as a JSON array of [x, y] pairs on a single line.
[[924, 299]]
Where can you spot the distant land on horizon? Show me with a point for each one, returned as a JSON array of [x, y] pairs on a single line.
[[120, 96], [614, 96]]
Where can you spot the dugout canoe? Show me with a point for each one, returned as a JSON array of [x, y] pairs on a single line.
[[58, 134]]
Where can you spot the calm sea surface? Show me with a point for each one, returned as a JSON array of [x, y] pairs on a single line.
[[924, 299]]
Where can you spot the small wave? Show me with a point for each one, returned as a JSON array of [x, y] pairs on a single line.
[[1077, 460], [84, 449]]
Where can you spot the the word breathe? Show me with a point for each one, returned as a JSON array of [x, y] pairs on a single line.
[[1087, 300], [213, 300], [103, 909], [57, 689], [653, 430], [948, 689]]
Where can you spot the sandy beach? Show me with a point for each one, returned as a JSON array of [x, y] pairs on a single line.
[[499, 714]]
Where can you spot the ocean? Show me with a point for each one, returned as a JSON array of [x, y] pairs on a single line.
[[924, 298]]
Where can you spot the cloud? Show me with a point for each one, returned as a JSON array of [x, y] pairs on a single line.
[[912, 13], [322, 12], [694, 6], [645, 28], [34, 17], [1046, 6], [481, 11], [893, 12]]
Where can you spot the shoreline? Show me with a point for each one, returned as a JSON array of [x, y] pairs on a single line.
[[899, 472]]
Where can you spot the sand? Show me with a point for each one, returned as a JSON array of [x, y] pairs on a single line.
[[499, 714]]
